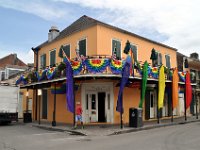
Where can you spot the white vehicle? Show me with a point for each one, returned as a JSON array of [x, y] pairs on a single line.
[[8, 103]]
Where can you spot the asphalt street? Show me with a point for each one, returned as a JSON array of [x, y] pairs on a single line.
[[25, 137]]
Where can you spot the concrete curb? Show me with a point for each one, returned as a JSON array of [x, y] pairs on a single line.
[[152, 127], [73, 132], [59, 130]]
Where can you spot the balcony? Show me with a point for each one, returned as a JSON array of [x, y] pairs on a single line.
[[95, 65]]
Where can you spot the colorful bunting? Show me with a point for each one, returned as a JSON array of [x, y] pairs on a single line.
[[77, 67], [22, 79], [116, 66], [60, 88], [154, 72], [41, 74], [51, 72], [96, 65], [182, 76]]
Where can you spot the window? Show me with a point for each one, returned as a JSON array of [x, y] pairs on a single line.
[[134, 50], [82, 47], [52, 58], [66, 50], [43, 61], [167, 58], [158, 62], [116, 49]]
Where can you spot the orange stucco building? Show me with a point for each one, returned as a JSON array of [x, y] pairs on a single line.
[[97, 92]]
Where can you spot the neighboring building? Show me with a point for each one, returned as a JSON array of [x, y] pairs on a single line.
[[10, 66], [97, 92], [193, 64], [10, 69]]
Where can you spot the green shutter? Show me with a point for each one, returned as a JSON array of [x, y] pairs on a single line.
[[116, 48], [67, 50], [52, 58], [134, 50], [82, 47], [167, 61], [44, 61]]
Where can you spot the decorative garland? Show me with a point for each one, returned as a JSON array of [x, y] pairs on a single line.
[[96, 65], [51, 72], [182, 76], [77, 67], [116, 66], [41, 74]]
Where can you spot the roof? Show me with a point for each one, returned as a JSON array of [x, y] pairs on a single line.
[[85, 22], [11, 59]]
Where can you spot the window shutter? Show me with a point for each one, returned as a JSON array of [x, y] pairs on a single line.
[[116, 48], [160, 58], [167, 61], [82, 47], [52, 58], [67, 50], [44, 61], [134, 50]]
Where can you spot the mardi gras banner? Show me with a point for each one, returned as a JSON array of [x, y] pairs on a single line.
[[51, 73], [41, 74], [182, 76], [76, 66], [96, 65], [116, 66]]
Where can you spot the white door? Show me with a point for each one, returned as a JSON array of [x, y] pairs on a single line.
[[91, 107], [152, 104], [108, 108], [20, 104], [181, 105]]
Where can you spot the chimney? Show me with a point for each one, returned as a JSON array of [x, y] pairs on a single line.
[[194, 56], [14, 59], [53, 33]]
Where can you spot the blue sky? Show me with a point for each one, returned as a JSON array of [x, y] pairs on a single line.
[[25, 23]]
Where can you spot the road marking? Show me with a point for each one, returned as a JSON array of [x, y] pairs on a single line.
[[45, 133]]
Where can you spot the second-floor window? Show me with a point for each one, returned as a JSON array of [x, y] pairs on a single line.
[[43, 61], [116, 48], [168, 64], [66, 49], [134, 50], [82, 47], [158, 62], [52, 58]]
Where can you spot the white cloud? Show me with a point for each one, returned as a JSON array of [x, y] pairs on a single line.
[[175, 19], [41, 8]]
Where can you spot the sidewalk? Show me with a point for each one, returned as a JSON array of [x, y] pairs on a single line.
[[105, 129]]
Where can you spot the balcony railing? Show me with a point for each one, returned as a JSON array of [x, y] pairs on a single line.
[[96, 64]]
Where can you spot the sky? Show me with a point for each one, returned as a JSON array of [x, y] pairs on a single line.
[[25, 23]]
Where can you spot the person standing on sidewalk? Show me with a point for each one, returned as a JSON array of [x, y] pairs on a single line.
[[79, 114]]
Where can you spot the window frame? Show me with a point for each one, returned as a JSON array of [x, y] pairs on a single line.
[[40, 66], [136, 50], [50, 57], [169, 60], [120, 46], [86, 46], [69, 49]]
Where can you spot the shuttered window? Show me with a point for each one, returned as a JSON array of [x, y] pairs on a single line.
[[134, 50], [116, 49], [82, 47], [66, 49], [43, 61], [53, 58], [167, 58], [158, 62]]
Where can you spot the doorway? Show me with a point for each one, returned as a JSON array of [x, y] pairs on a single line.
[[101, 107]]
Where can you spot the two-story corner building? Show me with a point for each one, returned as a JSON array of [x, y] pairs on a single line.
[[97, 90], [192, 64]]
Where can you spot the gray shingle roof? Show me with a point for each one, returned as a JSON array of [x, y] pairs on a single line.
[[85, 22]]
